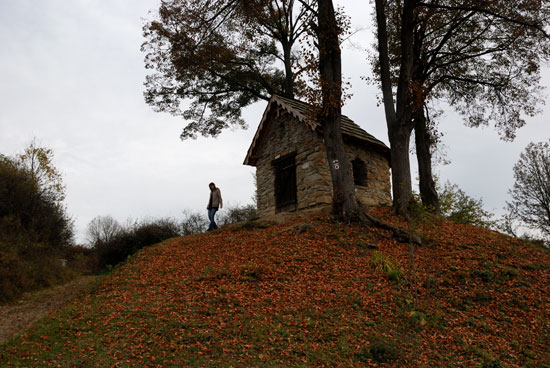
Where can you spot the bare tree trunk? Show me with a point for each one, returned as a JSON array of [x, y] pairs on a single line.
[[398, 115], [345, 204], [344, 200], [289, 75], [401, 168], [423, 141]]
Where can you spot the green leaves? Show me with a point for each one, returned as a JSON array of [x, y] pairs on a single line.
[[459, 207]]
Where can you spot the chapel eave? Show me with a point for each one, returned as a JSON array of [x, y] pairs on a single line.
[[305, 113]]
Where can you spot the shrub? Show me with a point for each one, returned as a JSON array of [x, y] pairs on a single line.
[[33, 268], [10, 276], [129, 241], [154, 231], [232, 215], [460, 208], [82, 260], [193, 223], [114, 251], [196, 222]]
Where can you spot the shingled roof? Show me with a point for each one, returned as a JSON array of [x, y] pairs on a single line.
[[306, 113]]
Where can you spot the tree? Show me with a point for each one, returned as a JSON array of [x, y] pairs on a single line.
[[17, 195], [125, 241], [345, 203], [426, 139], [222, 56], [399, 113], [482, 57], [205, 50], [38, 162], [330, 72], [31, 194], [35, 230], [531, 191], [102, 230]]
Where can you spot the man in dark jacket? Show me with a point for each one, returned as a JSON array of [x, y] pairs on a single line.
[[214, 204]]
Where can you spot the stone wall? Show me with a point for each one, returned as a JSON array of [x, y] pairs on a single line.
[[377, 190], [286, 134]]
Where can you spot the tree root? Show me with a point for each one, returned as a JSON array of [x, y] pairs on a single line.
[[403, 236], [360, 213]]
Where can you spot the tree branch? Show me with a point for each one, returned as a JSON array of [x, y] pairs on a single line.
[[521, 22]]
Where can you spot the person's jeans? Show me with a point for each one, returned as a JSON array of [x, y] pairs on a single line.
[[211, 214]]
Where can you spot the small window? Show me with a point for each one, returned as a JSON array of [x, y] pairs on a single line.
[[359, 172]]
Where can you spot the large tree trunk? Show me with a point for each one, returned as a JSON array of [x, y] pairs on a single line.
[[423, 141], [344, 201], [345, 204], [398, 116], [399, 137], [289, 75]]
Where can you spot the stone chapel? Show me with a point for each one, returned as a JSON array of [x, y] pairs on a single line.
[[292, 171]]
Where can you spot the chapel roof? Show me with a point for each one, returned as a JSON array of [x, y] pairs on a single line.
[[306, 113]]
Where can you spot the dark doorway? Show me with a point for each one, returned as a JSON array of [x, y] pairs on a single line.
[[285, 183]]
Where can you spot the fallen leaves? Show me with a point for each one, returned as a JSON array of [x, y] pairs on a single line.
[[280, 297]]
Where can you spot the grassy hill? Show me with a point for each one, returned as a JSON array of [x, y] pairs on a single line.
[[308, 292]]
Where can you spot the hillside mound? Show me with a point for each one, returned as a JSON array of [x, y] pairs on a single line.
[[309, 292]]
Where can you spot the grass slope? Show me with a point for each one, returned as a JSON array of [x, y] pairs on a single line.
[[314, 293]]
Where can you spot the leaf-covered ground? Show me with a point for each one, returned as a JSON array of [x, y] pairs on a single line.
[[308, 293], [18, 316]]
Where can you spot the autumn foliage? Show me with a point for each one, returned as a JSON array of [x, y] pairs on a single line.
[[309, 292], [35, 229]]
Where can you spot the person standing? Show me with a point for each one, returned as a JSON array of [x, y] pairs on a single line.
[[214, 204]]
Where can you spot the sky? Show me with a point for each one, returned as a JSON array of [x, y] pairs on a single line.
[[71, 76]]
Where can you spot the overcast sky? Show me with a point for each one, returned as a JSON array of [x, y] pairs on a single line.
[[71, 76]]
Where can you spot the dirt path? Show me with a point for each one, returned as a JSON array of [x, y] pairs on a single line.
[[18, 316]]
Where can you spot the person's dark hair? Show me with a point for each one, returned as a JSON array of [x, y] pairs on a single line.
[[212, 184]]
